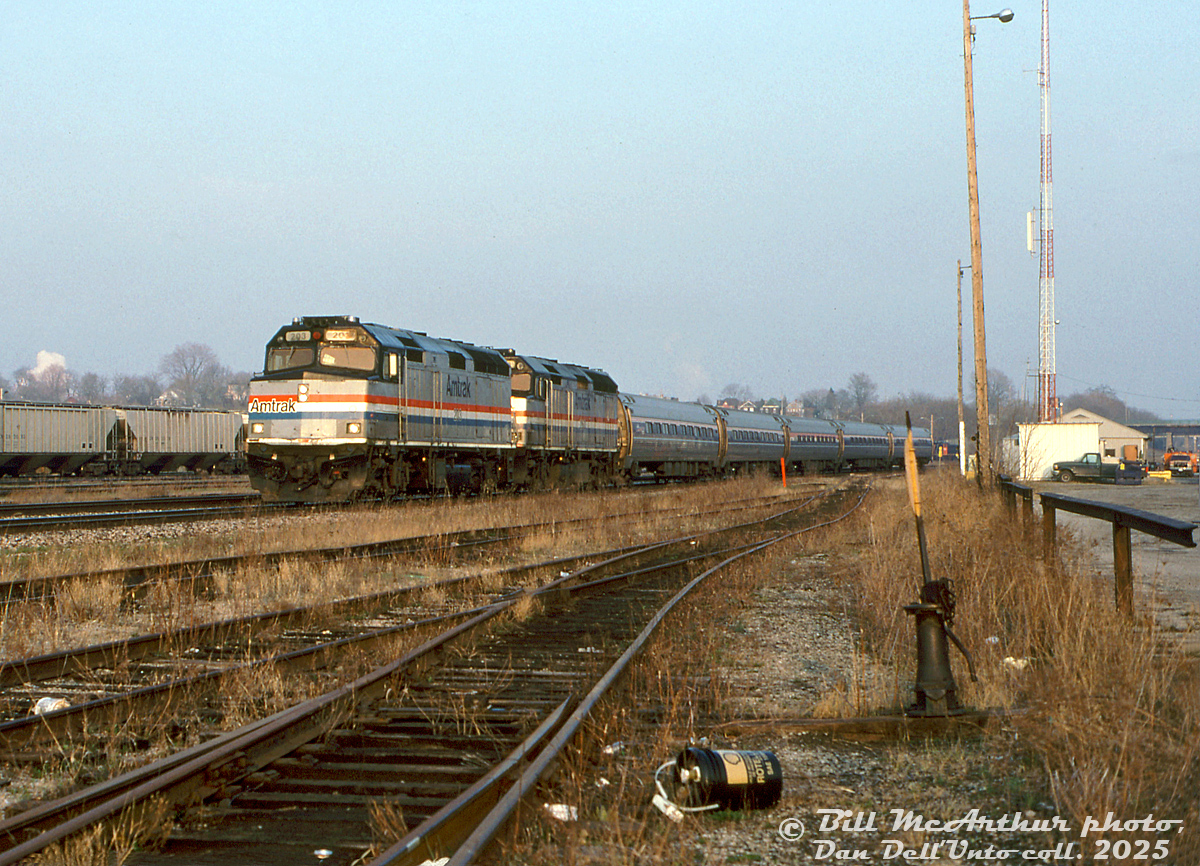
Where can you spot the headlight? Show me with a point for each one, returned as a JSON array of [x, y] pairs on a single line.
[[354, 428], [257, 427]]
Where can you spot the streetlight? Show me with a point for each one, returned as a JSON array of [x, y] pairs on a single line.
[[984, 446]]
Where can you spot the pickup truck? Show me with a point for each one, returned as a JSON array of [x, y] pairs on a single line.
[[1090, 467], [1180, 463]]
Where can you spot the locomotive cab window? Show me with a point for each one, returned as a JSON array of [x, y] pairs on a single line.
[[350, 357], [289, 357], [521, 384]]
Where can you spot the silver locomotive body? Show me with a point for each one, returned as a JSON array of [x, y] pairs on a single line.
[[345, 409], [564, 423]]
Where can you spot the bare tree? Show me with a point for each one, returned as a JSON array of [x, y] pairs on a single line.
[[1103, 400], [193, 373], [862, 390], [51, 383], [738, 392], [136, 390], [92, 388]]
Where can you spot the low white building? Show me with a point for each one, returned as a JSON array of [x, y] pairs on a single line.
[[1117, 442], [1079, 432]]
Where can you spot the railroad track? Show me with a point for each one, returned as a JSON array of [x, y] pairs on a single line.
[[178, 480], [93, 514], [135, 578], [428, 734], [80, 686]]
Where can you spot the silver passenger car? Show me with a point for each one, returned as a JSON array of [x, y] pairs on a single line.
[[668, 439], [755, 439]]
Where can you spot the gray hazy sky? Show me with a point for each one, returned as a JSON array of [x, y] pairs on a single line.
[[684, 194]]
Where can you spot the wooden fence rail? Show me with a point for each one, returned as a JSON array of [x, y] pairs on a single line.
[[1123, 521]]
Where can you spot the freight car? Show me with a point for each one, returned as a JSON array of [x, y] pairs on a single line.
[[345, 409], [71, 439]]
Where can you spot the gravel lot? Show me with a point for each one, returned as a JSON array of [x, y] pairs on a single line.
[[798, 653], [1166, 576]]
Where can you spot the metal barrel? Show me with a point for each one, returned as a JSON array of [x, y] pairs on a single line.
[[730, 779]]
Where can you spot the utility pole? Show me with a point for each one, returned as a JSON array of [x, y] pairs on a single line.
[[962, 427], [984, 446]]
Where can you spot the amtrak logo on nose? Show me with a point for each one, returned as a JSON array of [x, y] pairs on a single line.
[[272, 406]]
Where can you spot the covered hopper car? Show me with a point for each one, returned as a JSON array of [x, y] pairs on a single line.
[[71, 439]]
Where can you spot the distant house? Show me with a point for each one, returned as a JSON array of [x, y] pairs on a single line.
[[729, 403], [1114, 436], [771, 406]]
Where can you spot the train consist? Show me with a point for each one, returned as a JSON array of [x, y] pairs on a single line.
[[72, 439], [345, 410]]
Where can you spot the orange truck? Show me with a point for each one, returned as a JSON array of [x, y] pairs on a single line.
[[1181, 463]]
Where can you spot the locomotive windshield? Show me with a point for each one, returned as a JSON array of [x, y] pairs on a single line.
[[289, 357], [341, 348], [297, 357], [351, 357], [522, 384]]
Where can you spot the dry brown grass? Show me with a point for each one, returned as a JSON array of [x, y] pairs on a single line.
[[93, 614], [658, 508], [1113, 711], [1106, 715], [111, 844], [672, 694], [95, 611]]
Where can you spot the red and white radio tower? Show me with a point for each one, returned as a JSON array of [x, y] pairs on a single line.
[[1047, 398]]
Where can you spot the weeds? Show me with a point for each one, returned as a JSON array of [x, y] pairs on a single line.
[[1112, 712], [1107, 715]]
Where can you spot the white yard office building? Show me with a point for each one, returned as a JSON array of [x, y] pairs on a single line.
[[1079, 432]]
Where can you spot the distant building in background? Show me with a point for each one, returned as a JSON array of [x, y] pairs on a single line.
[[1114, 436], [1080, 432]]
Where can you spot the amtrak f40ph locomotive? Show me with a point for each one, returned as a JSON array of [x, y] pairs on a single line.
[[345, 409]]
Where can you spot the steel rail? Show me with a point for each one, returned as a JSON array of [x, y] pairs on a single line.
[[41, 587], [106, 655], [253, 747], [467, 835], [93, 506], [54, 726], [247, 752]]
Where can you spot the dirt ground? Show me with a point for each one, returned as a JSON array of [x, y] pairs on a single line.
[[1166, 576]]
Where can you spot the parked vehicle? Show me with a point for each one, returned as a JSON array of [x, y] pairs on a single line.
[[1090, 467], [1182, 464]]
